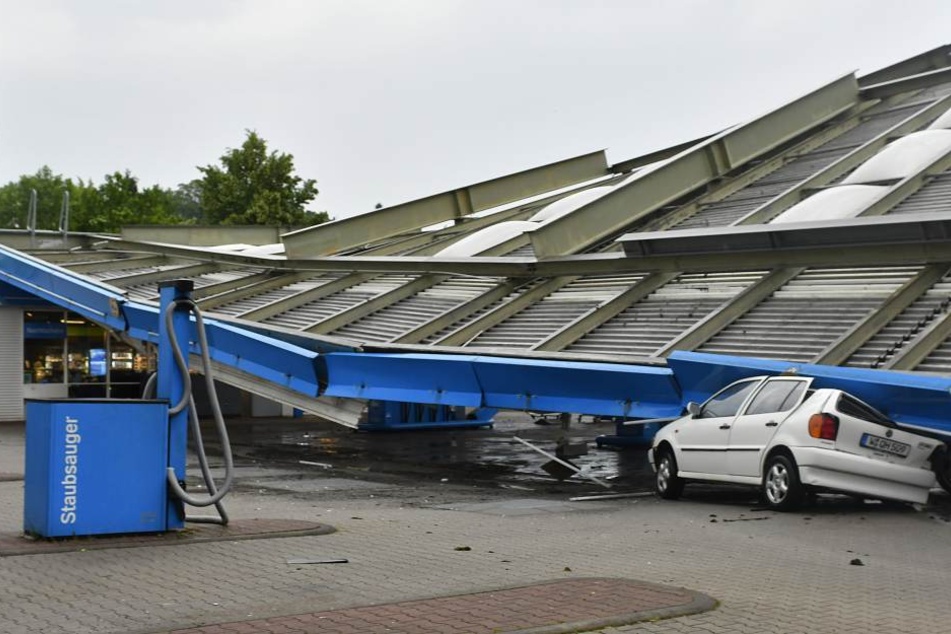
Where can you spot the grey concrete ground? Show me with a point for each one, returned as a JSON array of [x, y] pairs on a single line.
[[771, 572]]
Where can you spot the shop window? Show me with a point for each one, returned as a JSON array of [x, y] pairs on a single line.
[[44, 346], [63, 347], [86, 347]]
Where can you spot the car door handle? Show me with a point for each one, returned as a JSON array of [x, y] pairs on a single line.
[[724, 426], [771, 423]]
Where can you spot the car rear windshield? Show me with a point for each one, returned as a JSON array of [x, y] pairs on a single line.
[[851, 406]]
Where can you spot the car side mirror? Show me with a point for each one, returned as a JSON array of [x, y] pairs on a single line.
[[693, 409]]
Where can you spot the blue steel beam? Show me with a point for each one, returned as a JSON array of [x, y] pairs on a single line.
[[410, 378], [636, 391], [922, 401], [268, 359], [98, 302]]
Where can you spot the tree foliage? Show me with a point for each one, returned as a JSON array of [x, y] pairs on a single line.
[[119, 201], [15, 199], [251, 187], [255, 187], [186, 201]]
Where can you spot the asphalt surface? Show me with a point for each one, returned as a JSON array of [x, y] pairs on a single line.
[[424, 517]]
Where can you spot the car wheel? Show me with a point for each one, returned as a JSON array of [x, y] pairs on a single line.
[[782, 490], [668, 484], [942, 470], [944, 479]]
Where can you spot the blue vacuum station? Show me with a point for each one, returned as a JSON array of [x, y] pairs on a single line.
[[108, 466]]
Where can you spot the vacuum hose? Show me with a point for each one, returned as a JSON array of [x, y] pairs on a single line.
[[187, 400]]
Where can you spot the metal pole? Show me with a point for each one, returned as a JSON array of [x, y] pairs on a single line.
[[170, 384], [64, 215], [31, 216]]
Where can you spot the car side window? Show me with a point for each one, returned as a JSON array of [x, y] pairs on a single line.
[[728, 401], [777, 396]]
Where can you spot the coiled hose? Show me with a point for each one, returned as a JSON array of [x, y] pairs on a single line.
[[216, 494]]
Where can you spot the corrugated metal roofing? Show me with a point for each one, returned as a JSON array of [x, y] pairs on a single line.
[[253, 302], [905, 328], [801, 319], [536, 322], [656, 320], [310, 313], [939, 360], [401, 317], [933, 197]]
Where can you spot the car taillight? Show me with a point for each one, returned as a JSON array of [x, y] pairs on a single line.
[[824, 426]]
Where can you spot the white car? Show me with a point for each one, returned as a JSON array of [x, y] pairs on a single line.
[[777, 433]]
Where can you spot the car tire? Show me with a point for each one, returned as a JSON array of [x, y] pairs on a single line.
[[942, 470], [782, 490], [667, 484]]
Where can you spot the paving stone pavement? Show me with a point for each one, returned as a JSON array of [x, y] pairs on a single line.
[[770, 572], [556, 607]]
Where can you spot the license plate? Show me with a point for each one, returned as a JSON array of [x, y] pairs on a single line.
[[885, 444]]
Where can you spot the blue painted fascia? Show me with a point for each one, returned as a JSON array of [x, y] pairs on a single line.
[[506, 383]]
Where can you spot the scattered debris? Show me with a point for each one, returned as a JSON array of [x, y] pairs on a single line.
[[462, 548], [322, 465], [563, 463], [610, 496], [560, 469], [545, 418], [516, 486], [297, 562]]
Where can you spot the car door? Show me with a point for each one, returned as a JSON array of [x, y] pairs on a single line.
[[704, 440], [755, 426]]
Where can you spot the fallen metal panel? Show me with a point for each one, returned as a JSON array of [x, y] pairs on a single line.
[[916, 400], [505, 383], [342, 411]]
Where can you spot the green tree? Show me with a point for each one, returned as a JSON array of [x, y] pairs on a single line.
[[119, 201], [255, 187], [186, 201], [15, 199]]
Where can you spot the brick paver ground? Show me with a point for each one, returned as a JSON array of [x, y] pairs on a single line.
[[782, 573], [559, 606], [13, 544]]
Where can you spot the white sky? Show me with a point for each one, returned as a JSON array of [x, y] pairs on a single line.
[[391, 100]]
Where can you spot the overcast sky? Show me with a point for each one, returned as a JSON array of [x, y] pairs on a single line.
[[391, 100]]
